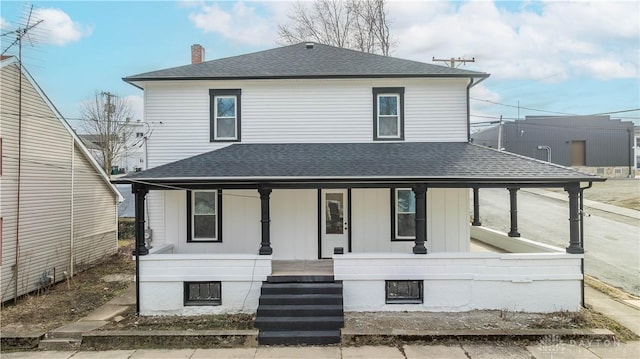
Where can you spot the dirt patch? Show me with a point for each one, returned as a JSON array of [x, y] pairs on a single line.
[[484, 320], [129, 321], [477, 320], [618, 192], [70, 300]]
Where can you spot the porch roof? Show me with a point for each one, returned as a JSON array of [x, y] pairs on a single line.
[[443, 163]]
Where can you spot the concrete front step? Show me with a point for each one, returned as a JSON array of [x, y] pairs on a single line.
[[302, 299], [300, 278], [301, 288], [307, 337], [300, 310], [60, 344], [298, 323]]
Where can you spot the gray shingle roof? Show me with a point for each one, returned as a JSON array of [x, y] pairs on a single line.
[[359, 162], [297, 61]]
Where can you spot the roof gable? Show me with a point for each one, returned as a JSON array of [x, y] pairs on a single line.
[[300, 61], [9, 61]]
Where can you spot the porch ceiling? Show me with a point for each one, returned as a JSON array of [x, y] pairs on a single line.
[[437, 163]]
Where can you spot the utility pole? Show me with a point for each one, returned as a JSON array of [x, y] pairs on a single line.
[[500, 135], [108, 109], [452, 61]]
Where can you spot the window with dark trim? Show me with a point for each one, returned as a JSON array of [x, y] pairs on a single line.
[[225, 115], [388, 113], [204, 216], [403, 214], [403, 292], [202, 293]]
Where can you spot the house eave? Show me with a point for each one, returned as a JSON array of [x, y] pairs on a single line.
[[134, 80], [379, 181]]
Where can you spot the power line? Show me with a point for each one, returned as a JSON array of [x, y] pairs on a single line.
[[452, 61]]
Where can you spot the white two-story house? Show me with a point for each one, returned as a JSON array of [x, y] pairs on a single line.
[[311, 154]]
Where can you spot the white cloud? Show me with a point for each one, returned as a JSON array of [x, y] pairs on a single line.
[[4, 24], [136, 103], [241, 23], [58, 28], [552, 41], [481, 105]]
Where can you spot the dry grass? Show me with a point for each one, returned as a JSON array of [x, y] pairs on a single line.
[[70, 300]]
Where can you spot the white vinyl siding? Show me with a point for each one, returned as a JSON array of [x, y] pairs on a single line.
[[94, 214], [46, 192], [288, 111]]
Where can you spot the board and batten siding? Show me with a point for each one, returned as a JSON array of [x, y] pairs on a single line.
[[447, 221], [46, 190], [296, 111], [294, 223]]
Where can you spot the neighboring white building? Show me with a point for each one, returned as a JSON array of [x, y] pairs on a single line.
[[303, 151], [58, 209], [132, 158]]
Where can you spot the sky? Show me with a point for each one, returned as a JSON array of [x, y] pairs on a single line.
[[544, 57]]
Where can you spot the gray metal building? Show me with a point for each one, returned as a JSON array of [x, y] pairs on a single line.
[[598, 142]]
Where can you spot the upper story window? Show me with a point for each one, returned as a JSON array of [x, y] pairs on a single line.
[[204, 216], [388, 113], [224, 115]]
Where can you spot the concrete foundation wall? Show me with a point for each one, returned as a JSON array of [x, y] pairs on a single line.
[[453, 282], [162, 278]]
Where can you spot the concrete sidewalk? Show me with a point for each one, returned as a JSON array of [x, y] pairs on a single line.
[[550, 349]]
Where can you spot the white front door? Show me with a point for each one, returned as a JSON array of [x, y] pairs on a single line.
[[334, 214]]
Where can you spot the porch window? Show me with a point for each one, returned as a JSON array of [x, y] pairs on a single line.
[[388, 113], [403, 202], [204, 216], [403, 292], [202, 293], [225, 115]]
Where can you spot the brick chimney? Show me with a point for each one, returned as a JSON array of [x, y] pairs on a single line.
[[197, 54]]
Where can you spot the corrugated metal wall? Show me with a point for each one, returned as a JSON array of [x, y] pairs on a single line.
[[45, 236], [606, 141]]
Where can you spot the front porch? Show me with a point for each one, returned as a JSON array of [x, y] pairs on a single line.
[[395, 223]]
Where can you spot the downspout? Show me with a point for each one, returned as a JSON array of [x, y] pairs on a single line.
[[469, 86], [630, 150], [73, 189], [584, 305]]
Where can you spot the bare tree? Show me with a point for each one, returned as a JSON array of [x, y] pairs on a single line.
[[106, 119], [353, 24]]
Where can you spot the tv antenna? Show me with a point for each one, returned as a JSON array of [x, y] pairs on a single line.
[[20, 33]]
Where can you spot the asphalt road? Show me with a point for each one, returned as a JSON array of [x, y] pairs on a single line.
[[611, 242]]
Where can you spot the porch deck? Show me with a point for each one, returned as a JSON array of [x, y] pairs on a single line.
[[302, 267], [325, 266]]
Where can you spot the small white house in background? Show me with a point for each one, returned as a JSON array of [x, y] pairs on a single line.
[[132, 158], [58, 210], [310, 152]]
